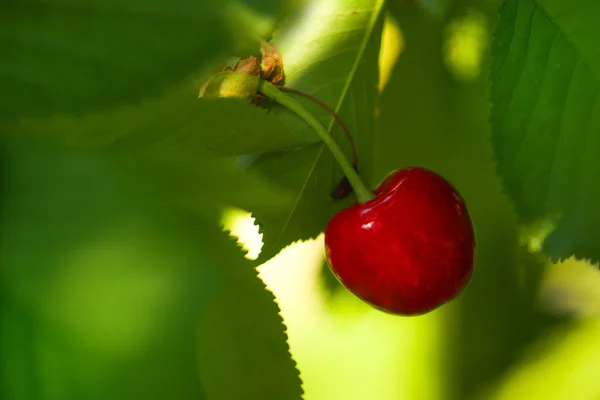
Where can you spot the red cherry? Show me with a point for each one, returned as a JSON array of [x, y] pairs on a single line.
[[407, 251]]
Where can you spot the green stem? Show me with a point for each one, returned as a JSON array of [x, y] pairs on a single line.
[[362, 193]]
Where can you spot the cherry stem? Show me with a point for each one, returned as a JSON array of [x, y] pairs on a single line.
[[333, 114], [362, 193]]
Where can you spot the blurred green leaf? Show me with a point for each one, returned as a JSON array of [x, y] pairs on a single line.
[[330, 51], [262, 6], [109, 292], [200, 183], [545, 118], [447, 9], [178, 118], [64, 56], [438, 8], [181, 138], [431, 120]]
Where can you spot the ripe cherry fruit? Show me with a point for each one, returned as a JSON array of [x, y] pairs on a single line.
[[407, 251], [407, 248]]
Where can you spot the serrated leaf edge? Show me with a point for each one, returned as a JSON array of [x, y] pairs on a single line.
[[232, 238]]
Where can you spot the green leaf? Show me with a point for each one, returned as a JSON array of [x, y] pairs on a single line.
[[195, 181], [178, 137], [224, 127], [330, 51], [264, 6], [243, 350], [108, 292], [446, 9], [64, 56], [437, 8], [546, 115]]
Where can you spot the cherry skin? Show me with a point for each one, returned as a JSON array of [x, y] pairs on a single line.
[[407, 251]]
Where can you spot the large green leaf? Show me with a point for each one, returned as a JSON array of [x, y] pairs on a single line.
[[65, 56], [183, 139], [331, 51], [196, 181], [109, 292], [223, 127], [546, 118]]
